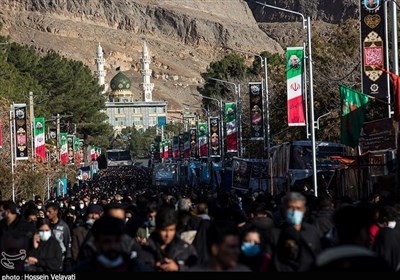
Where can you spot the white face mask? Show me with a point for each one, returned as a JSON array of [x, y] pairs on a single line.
[[44, 235], [39, 207], [72, 207], [392, 224], [81, 205], [90, 221]]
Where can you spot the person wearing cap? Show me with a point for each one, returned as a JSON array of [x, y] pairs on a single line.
[[79, 234]]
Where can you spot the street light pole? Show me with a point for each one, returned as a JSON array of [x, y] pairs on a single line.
[[12, 145], [32, 122], [306, 25]]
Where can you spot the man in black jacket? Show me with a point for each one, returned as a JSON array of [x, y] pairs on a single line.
[[165, 251], [12, 221], [109, 255]]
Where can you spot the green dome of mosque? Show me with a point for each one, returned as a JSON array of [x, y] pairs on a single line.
[[120, 82]]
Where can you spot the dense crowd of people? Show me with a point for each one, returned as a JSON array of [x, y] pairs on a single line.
[[118, 221]]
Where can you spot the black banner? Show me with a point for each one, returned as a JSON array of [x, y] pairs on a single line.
[[373, 47], [70, 144], [181, 146], [21, 137], [378, 135], [215, 144], [194, 151], [256, 111]]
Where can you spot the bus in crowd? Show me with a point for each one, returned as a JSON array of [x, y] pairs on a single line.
[[118, 157]]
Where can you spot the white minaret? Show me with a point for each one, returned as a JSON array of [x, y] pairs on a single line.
[[147, 87], [101, 73]]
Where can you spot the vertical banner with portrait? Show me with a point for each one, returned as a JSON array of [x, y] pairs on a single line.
[[186, 144], [64, 148], [256, 111], [77, 152], [161, 149], [194, 151], [373, 48], [203, 140], [21, 137], [295, 86], [215, 145], [231, 128], [166, 148], [52, 141], [175, 147], [40, 145], [241, 173], [181, 146], [170, 155], [82, 151], [70, 149]]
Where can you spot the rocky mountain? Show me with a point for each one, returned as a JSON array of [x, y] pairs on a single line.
[[331, 11], [183, 36]]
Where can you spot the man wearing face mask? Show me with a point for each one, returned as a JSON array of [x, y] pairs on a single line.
[[295, 236], [79, 233], [109, 256]]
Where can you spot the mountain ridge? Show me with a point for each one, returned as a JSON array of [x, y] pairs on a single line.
[[183, 36]]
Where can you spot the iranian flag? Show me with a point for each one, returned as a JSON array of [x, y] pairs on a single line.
[[203, 139], [92, 153], [231, 127], [161, 149], [40, 147], [166, 148], [64, 148], [295, 86]]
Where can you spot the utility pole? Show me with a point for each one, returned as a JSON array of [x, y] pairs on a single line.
[[12, 152], [32, 122]]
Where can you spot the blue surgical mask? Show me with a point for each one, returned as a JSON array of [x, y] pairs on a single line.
[[294, 217], [250, 249], [150, 223]]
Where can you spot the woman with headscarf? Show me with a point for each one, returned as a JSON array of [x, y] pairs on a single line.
[[46, 255]]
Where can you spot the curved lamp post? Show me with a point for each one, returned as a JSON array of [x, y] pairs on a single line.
[[306, 25]]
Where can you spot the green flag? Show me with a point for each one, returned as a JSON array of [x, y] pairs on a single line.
[[353, 104]]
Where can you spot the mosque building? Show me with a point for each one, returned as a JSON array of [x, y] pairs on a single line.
[[125, 109]]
